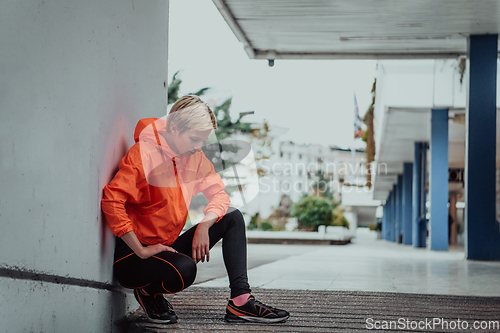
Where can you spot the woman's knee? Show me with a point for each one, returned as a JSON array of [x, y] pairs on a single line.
[[187, 270], [236, 217], [178, 271]]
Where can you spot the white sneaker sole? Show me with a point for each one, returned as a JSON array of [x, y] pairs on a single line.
[[242, 319]]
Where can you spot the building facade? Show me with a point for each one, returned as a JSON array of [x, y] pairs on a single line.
[[293, 171]]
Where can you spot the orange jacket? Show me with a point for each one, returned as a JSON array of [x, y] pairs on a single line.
[[151, 192]]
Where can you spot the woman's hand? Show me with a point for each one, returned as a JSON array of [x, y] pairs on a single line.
[[201, 243], [144, 252], [151, 250]]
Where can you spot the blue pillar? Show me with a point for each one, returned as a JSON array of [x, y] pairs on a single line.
[[482, 239], [388, 218], [407, 203], [438, 226], [394, 213], [423, 221], [399, 216], [384, 222], [418, 205]]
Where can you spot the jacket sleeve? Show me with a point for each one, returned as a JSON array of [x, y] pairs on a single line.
[[124, 187], [212, 187]]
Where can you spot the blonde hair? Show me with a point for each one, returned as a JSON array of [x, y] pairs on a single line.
[[190, 112]]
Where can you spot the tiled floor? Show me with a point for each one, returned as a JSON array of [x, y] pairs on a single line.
[[369, 265]]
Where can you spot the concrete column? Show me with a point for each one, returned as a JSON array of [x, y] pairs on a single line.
[[353, 224], [482, 238], [407, 203], [418, 204], [76, 78], [438, 233], [399, 205]]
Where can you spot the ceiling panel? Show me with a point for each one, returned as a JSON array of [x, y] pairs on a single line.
[[369, 29]]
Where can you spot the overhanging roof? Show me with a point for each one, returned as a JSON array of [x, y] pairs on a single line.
[[358, 29], [404, 127]]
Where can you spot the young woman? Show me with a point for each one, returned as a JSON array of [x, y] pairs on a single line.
[[146, 206]]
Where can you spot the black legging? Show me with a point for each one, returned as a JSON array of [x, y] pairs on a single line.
[[169, 272]]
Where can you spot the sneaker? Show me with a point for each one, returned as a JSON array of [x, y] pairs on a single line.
[[254, 311], [158, 309]]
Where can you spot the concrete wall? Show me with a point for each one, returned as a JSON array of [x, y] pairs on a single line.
[[76, 77]]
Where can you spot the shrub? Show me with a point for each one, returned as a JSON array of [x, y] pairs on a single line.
[[266, 226], [312, 211], [253, 222], [338, 218]]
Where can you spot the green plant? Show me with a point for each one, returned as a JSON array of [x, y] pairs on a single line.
[[338, 218], [266, 226], [461, 67], [175, 86], [312, 211], [253, 222]]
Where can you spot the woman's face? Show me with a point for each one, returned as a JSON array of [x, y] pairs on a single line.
[[189, 141]]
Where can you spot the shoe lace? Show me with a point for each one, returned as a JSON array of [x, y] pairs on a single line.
[[266, 306]]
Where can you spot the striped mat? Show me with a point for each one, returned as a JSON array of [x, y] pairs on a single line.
[[202, 310]]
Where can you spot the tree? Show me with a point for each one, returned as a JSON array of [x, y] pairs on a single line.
[[322, 186], [175, 86], [225, 153], [226, 127]]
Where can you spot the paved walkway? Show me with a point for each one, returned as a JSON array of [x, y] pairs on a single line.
[[366, 265]]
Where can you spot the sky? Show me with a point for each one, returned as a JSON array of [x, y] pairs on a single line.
[[313, 99]]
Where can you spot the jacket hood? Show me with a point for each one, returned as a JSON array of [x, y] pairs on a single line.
[[148, 132]]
